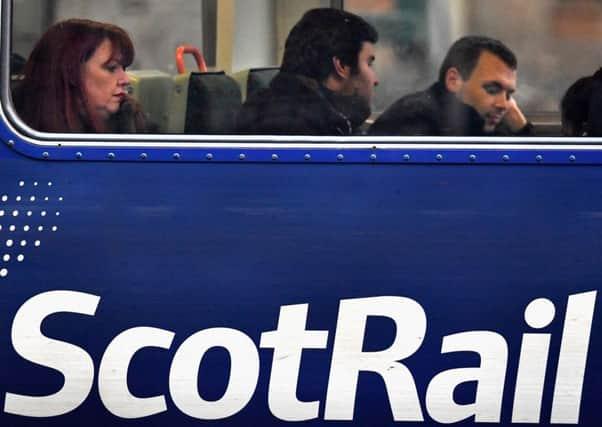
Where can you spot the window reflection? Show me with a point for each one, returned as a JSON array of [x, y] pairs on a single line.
[[556, 42]]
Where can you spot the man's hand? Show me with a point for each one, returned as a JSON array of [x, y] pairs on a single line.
[[514, 118]]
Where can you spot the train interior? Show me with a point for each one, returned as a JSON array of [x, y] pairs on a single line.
[[241, 43]]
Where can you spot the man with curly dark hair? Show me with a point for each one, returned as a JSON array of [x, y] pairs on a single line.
[[326, 81]]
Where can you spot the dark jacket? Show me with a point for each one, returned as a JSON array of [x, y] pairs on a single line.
[[297, 105], [435, 112]]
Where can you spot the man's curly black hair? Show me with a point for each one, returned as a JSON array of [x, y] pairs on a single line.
[[321, 35]]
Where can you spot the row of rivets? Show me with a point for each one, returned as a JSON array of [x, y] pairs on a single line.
[[340, 157]]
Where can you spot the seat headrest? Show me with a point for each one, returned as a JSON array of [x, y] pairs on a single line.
[[214, 100]]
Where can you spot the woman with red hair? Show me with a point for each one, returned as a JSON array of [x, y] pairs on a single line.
[[75, 81]]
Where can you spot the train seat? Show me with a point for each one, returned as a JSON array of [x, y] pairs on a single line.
[[255, 79], [151, 89], [213, 100]]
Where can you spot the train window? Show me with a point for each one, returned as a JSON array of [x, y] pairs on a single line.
[[555, 42], [242, 42]]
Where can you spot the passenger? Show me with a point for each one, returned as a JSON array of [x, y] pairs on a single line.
[[581, 107], [473, 97], [75, 80], [326, 81]]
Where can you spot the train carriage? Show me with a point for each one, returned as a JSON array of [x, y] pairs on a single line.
[[194, 276]]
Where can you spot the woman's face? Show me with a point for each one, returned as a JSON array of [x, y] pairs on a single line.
[[105, 81]]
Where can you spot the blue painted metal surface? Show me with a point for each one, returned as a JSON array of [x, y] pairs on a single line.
[[186, 246]]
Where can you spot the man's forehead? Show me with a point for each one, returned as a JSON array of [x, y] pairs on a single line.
[[491, 67], [368, 49]]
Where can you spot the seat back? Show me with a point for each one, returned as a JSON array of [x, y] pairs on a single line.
[[254, 79], [152, 90], [260, 78], [213, 102], [177, 105]]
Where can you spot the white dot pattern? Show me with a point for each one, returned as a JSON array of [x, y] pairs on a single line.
[[32, 209]]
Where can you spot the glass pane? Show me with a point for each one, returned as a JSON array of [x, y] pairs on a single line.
[[556, 42]]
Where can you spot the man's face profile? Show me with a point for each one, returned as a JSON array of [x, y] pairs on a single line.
[[488, 90], [364, 80]]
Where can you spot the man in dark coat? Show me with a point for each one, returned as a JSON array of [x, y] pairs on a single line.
[[326, 80], [473, 97]]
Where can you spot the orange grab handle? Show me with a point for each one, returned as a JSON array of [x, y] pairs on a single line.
[[198, 56]]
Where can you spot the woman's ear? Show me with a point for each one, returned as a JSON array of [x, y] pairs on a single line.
[[342, 71], [453, 80]]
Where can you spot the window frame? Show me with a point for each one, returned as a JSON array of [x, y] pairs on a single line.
[[296, 149]]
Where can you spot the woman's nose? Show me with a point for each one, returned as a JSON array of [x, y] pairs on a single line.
[[123, 78]]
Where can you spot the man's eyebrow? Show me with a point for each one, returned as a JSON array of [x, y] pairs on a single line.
[[500, 86]]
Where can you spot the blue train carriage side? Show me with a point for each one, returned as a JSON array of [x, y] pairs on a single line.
[[180, 280]]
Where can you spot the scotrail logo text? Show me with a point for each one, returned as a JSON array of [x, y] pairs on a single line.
[[289, 340]]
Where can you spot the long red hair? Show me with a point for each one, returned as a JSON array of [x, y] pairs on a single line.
[[51, 97]]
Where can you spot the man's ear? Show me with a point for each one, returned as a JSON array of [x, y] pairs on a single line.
[[341, 70], [453, 80]]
